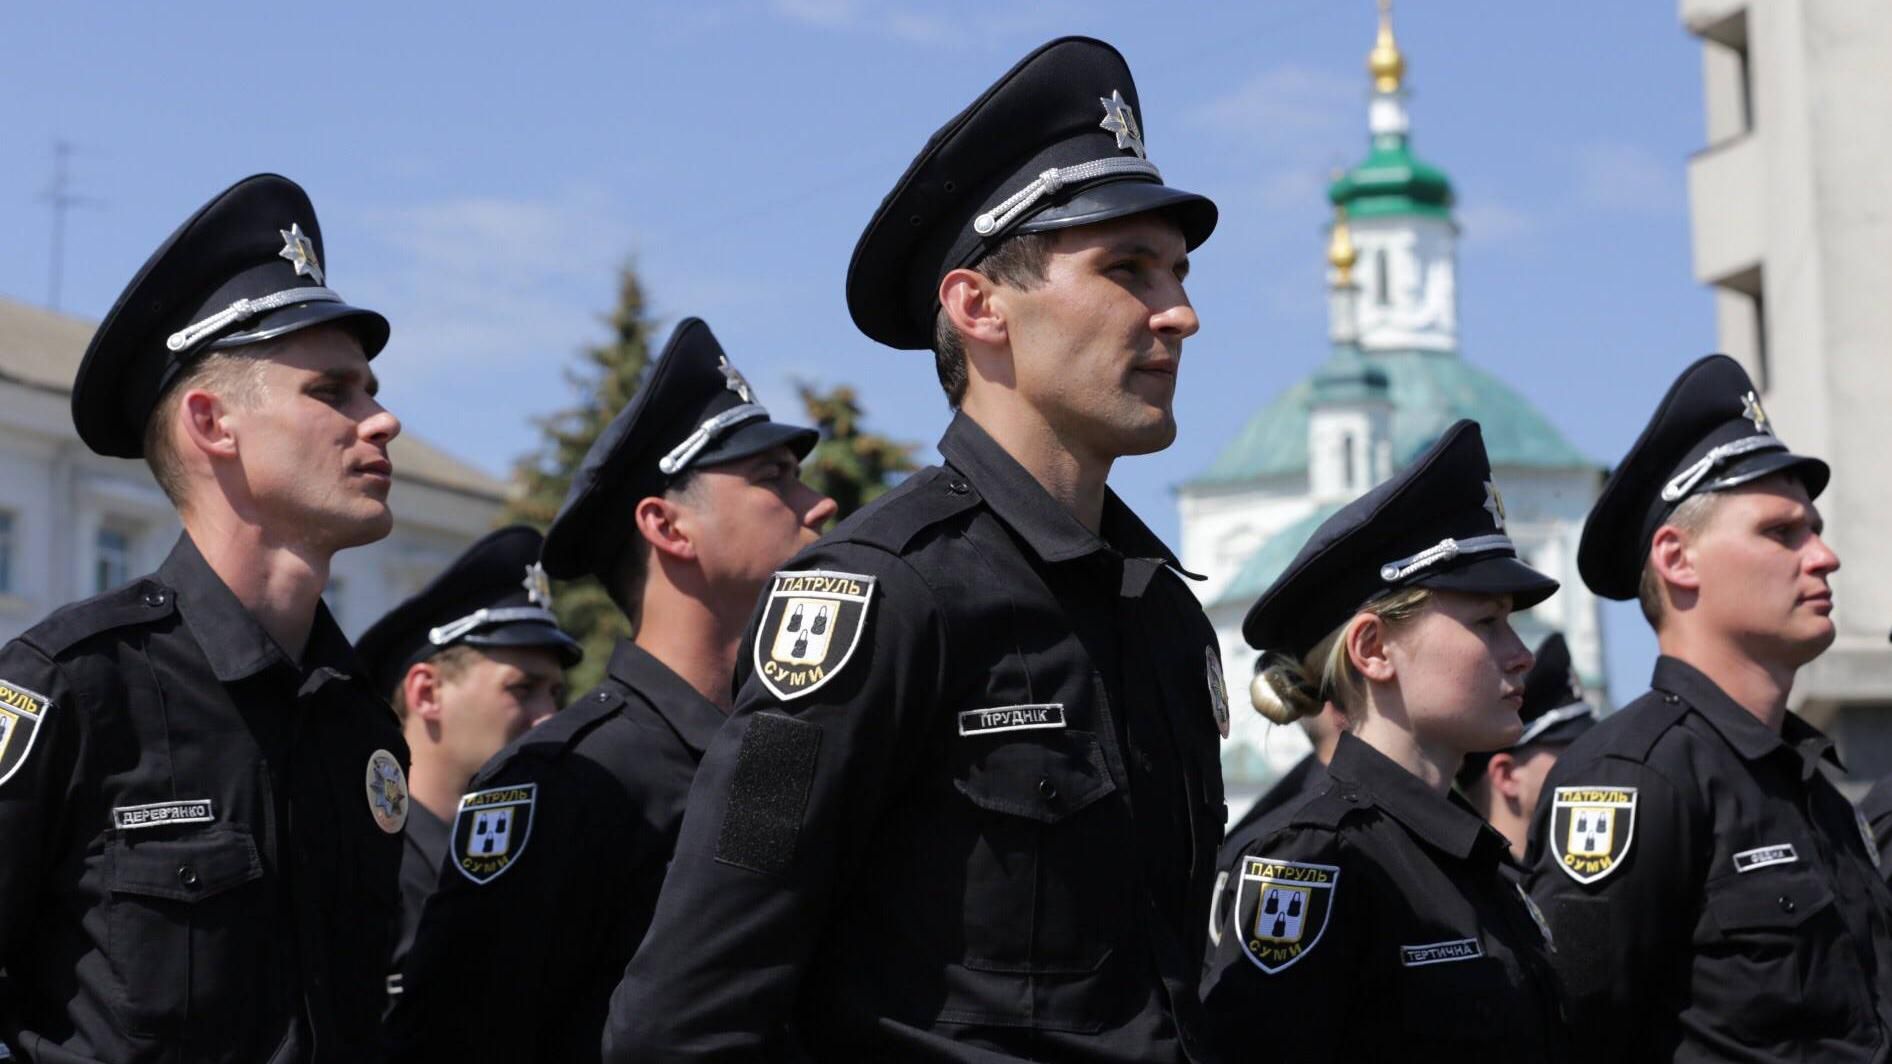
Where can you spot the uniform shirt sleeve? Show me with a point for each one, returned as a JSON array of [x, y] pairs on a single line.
[[1301, 1009], [38, 771], [1622, 939], [785, 793]]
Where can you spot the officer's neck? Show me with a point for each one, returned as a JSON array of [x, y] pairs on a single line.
[[279, 582], [1757, 686], [1064, 467], [694, 630]]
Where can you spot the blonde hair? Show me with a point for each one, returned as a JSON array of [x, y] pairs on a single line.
[[235, 375], [1689, 517], [1285, 688]]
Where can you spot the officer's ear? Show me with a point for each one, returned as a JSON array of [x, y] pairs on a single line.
[[661, 522], [1672, 559], [1502, 773], [966, 296], [420, 691], [203, 419], [1365, 640]]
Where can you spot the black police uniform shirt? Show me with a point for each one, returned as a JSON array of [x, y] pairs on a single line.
[[1382, 921], [1710, 890], [988, 834], [1876, 807], [423, 848], [194, 869], [1267, 815], [521, 967]]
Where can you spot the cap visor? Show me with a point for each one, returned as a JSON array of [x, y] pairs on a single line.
[[1195, 214], [754, 438], [367, 326], [530, 634], [1496, 576], [1813, 472]]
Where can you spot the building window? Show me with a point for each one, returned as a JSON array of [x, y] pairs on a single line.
[[1382, 282], [1347, 479], [6, 552], [111, 559]]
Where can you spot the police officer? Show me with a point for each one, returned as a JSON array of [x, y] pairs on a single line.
[[686, 503], [968, 803], [1712, 894], [201, 796], [1504, 785], [471, 661], [1384, 920]]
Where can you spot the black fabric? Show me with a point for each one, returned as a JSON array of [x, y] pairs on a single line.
[[423, 850], [260, 935], [768, 794], [1034, 894], [1876, 807], [231, 248], [1445, 494], [1047, 111], [691, 382], [1712, 403], [1416, 868], [521, 968], [1700, 960]]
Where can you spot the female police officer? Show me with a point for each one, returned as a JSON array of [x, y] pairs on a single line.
[[1383, 916]]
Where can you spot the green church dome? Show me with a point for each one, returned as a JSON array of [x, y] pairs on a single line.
[[1392, 182]]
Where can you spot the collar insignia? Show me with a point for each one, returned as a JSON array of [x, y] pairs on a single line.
[[1494, 503], [300, 250], [734, 380], [538, 587], [1121, 120], [1751, 409]]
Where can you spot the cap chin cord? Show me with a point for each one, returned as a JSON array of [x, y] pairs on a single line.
[[1444, 551], [683, 453], [1685, 481], [244, 310], [1053, 181]]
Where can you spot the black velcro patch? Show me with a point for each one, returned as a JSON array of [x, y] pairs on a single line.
[[1586, 920], [775, 767]]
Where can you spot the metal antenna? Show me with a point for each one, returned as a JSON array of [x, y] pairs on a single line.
[[62, 199]]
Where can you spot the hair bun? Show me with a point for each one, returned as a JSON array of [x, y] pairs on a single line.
[[1280, 690]]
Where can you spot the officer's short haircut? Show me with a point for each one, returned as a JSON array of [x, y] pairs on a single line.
[[624, 584], [1690, 517], [1019, 261], [449, 664], [235, 375]]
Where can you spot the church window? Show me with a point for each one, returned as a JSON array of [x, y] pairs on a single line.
[[1347, 447], [1382, 284]]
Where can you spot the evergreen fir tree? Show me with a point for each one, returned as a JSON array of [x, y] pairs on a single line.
[[607, 375], [850, 466]]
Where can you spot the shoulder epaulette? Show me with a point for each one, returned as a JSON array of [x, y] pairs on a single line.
[[1634, 730], [923, 500], [139, 602], [1331, 805], [550, 740]]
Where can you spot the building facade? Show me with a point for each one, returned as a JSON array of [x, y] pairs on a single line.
[[73, 524], [1792, 229], [1393, 382]]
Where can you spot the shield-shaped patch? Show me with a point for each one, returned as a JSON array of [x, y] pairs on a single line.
[[21, 712], [1591, 829], [1281, 909], [810, 627], [491, 829]]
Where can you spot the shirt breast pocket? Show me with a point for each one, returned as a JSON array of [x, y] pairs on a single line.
[[184, 925], [1045, 887], [1771, 963]]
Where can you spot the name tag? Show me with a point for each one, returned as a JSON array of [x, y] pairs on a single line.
[[1011, 718], [1464, 949], [189, 811], [1749, 860]]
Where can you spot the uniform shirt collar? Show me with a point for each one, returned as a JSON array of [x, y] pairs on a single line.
[[427, 833], [694, 718], [1749, 737], [1444, 821], [232, 641], [1024, 505]]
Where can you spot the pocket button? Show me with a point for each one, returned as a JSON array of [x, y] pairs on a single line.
[[1786, 904], [1047, 789], [187, 876]]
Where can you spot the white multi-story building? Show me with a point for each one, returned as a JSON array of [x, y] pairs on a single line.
[[1793, 229], [73, 524], [1393, 383]]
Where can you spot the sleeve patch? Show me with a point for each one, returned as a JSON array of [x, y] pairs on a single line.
[[21, 714], [811, 624], [1591, 829], [775, 767]]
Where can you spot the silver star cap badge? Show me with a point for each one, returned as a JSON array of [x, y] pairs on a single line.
[[300, 250], [1121, 120], [1494, 503], [733, 380], [1751, 409], [538, 586]]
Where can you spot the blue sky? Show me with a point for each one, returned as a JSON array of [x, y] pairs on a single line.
[[480, 170]]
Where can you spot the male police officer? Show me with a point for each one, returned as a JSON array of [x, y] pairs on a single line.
[[201, 798], [1712, 894], [1504, 786], [471, 661], [968, 803], [685, 505]]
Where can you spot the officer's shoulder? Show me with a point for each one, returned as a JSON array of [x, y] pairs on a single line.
[[541, 748], [68, 629], [1329, 807], [895, 521], [1632, 733]]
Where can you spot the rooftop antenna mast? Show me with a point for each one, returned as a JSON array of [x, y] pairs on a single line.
[[62, 199]]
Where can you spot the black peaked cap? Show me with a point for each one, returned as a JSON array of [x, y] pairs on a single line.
[[1438, 523], [493, 595], [247, 266], [692, 396], [1071, 106], [1709, 433]]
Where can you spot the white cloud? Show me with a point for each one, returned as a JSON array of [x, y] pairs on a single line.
[[1291, 105], [1490, 223], [1627, 177]]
